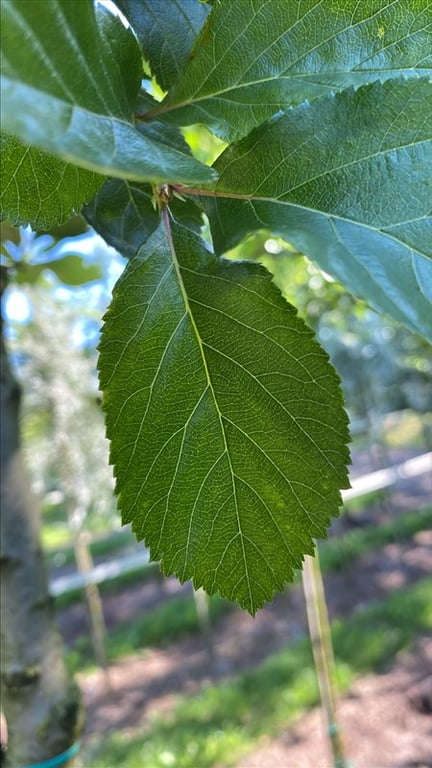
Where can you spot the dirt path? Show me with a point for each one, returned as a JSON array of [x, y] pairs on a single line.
[[380, 725]]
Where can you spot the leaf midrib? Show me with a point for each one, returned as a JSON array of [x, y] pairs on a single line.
[[275, 201], [190, 314], [333, 169], [312, 77], [299, 58]]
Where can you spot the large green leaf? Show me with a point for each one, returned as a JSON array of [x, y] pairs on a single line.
[[123, 214], [256, 57], [228, 434], [69, 86], [347, 180], [166, 32]]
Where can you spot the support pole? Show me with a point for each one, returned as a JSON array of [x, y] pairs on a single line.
[[320, 635]]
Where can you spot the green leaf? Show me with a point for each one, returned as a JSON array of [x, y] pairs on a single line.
[[71, 90], [166, 32], [423, 272], [347, 180], [228, 434], [41, 189], [254, 58], [124, 213]]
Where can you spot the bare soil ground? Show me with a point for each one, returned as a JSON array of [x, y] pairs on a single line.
[[380, 724], [386, 718]]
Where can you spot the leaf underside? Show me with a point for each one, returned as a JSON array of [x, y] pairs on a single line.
[[228, 435], [347, 179]]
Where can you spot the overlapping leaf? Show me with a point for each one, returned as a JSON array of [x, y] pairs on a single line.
[[41, 189], [348, 180], [69, 86], [166, 45], [124, 213], [256, 57], [227, 430]]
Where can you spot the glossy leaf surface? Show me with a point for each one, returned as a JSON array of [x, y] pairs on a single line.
[[347, 180], [165, 45], [125, 213], [228, 435], [71, 91], [254, 57]]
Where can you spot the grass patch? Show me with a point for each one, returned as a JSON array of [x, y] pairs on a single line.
[[163, 624], [334, 553], [337, 553], [222, 723], [60, 555], [160, 626]]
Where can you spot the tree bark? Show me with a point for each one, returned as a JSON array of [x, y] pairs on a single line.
[[40, 702]]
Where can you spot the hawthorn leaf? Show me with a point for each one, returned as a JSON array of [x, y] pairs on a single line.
[[228, 433], [40, 189], [71, 90], [166, 32], [347, 179], [254, 58]]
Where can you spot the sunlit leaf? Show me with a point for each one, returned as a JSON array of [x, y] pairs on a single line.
[[41, 189], [228, 434]]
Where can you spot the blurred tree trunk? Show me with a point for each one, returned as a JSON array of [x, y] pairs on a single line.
[[40, 702]]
